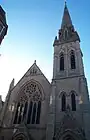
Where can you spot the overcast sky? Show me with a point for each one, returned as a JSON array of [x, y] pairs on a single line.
[[33, 25]]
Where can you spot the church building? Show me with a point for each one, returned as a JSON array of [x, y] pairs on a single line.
[[36, 109]]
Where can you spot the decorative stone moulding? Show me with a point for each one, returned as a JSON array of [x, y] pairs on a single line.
[[31, 91]]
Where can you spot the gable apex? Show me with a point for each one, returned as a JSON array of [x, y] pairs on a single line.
[[33, 71]]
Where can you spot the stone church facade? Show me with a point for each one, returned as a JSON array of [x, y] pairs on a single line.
[[36, 109]]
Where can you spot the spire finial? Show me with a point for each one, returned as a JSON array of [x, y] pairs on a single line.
[[66, 20], [65, 3], [34, 61]]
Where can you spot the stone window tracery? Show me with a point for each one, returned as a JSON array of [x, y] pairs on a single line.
[[29, 106], [33, 91], [23, 98]]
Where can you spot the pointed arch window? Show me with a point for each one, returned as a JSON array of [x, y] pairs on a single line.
[[73, 102], [72, 59], [63, 102], [62, 62]]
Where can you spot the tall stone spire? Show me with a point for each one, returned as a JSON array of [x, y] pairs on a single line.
[[66, 20], [67, 33]]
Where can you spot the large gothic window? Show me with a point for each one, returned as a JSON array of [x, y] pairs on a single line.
[[73, 102], [29, 106], [63, 102], [72, 60], [61, 62]]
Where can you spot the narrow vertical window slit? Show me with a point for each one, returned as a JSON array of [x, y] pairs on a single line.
[[34, 113], [25, 111], [63, 102], [29, 112], [61, 62], [72, 59], [19, 117], [38, 113], [73, 102], [16, 114]]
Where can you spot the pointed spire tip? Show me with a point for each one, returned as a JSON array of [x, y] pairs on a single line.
[[34, 61], [65, 4], [66, 20]]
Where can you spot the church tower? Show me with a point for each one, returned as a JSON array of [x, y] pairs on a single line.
[[60, 110], [69, 101]]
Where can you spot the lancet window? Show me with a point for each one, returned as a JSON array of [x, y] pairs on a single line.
[[73, 102], [61, 62], [72, 60], [63, 102]]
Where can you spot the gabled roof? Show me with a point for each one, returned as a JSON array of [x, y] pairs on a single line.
[[34, 70]]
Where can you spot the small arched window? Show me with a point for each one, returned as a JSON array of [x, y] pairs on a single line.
[[72, 59], [63, 101], [61, 62], [73, 102], [65, 34]]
